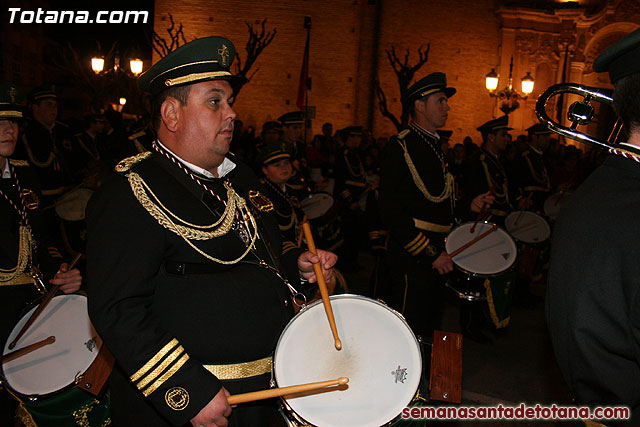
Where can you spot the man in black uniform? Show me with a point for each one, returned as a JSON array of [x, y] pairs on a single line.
[[417, 205], [532, 177], [187, 276], [593, 305], [350, 188], [24, 238]]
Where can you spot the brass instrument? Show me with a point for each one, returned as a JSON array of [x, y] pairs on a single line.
[[580, 112]]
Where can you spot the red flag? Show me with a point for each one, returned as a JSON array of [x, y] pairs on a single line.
[[304, 76]]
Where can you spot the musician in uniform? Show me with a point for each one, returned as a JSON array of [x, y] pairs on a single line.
[[416, 203], [24, 239], [593, 309], [350, 187], [189, 285], [532, 177], [292, 138], [277, 170], [485, 172]]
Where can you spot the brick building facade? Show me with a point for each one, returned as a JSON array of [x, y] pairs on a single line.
[[349, 39]]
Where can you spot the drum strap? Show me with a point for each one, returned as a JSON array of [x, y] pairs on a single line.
[[236, 371]]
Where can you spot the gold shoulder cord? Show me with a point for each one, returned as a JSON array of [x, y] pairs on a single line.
[[24, 256], [190, 231], [32, 157], [448, 186], [505, 192], [545, 178]]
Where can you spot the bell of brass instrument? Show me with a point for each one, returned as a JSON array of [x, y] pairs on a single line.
[[579, 113]]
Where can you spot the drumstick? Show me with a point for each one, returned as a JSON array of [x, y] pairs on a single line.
[[43, 304], [317, 268], [282, 391], [483, 211], [471, 242], [28, 349], [522, 210], [304, 219]]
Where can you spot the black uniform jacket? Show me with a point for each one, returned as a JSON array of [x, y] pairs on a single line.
[[417, 225], [593, 298], [15, 297], [351, 181], [163, 326], [532, 177], [481, 173]]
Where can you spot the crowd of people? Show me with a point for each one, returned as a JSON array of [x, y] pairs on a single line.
[[192, 232]]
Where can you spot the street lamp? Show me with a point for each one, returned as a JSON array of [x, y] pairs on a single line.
[[509, 97], [97, 64], [136, 66]]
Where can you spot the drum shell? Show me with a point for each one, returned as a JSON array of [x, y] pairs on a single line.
[[339, 302]]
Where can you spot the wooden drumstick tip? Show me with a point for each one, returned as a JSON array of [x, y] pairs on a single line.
[[338, 345], [343, 380]]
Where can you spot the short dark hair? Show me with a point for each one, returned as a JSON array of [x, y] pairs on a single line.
[[626, 100], [181, 93]]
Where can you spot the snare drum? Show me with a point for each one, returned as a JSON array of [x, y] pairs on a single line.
[[45, 379], [380, 355], [490, 256], [527, 227], [71, 206], [553, 204]]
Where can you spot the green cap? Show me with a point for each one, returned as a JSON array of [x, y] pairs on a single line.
[[274, 152], [538, 129], [495, 125], [292, 118], [621, 58], [434, 82], [10, 99], [46, 90], [200, 60]]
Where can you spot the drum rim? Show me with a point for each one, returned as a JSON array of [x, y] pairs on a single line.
[[488, 275], [548, 227], [36, 397], [345, 296]]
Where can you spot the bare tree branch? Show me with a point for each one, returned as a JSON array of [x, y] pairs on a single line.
[[175, 40], [404, 75], [257, 42]]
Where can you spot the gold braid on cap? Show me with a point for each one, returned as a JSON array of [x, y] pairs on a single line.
[[24, 256], [448, 185], [189, 231]]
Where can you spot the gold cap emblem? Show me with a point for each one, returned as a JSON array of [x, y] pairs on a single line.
[[224, 54]]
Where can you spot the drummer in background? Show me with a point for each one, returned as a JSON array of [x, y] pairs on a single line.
[[292, 139], [532, 177], [485, 172], [350, 187], [593, 306], [190, 312], [417, 204], [277, 170], [24, 237]]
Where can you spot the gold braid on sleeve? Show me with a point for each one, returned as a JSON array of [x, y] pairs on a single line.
[[448, 185]]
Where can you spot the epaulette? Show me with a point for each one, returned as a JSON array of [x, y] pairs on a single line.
[[126, 164], [20, 163], [404, 133], [137, 135]]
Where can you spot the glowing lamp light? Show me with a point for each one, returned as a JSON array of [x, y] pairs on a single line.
[[97, 64], [136, 66], [527, 84], [491, 80], [123, 101]]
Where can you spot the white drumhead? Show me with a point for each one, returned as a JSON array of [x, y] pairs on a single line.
[[316, 205], [530, 228], [55, 366], [71, 206], [492, 254], [554, 202], [380, 355]]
